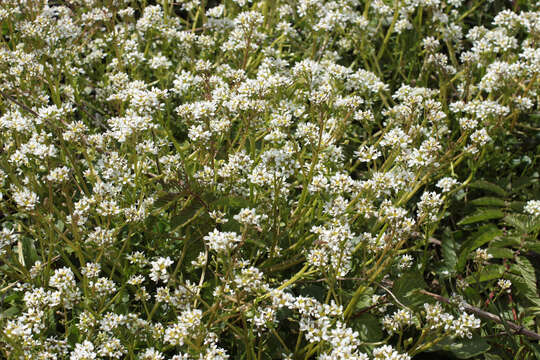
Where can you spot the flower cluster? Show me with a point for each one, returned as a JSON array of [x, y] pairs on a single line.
[[194, 180]]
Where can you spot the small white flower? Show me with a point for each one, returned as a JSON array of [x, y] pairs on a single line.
[[25, 198], [222, 241], [159, 269], [533, 207]]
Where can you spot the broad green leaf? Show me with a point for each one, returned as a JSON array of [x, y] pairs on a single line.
[[507, 241], [467, 349], [365, 300], [405, 289], [484, 235], [368, 327], [449, 253], [489, 272], [500, 253], [488, 201], [29, 251], [486, 185], [12, 311], [517, 205], [482, 215]]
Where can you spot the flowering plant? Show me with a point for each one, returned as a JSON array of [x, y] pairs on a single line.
[[249, 179]]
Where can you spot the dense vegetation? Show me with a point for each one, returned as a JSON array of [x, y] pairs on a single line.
[[346, 179]]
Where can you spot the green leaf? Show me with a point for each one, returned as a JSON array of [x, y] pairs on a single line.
[[365, 300], [524, 223], [464, 349], [488, 201], [234, 202], [187, 215], [507, 241], [484, 235], [405, 289], [12, 311], [449, 252], [165, 200], [486, 185], [489, 272], [500, 253], [517, 205], [470, 348], [29, 251], [523, 278], [533, 245], [482, 215], [368, 327], [489, 356]]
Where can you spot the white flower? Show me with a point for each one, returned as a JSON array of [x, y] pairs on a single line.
[[159, 269], [91, 270], [446, 184], [532, 207], [481, 256], [222, 241], [84, 351], [58, 175], [405, 262], [25, 198], [463, 325], [249, 217], [152, 354], [504, 284], [176, 333]]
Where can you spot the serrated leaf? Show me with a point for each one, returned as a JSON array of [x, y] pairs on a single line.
[[482, 215], [486, 185], [526, 269], [523, 278], [523, 289], [488, 201], [523, 223], [533, 245]]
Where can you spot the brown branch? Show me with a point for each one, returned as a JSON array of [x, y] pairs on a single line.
[[15, 101], [486, 315]]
